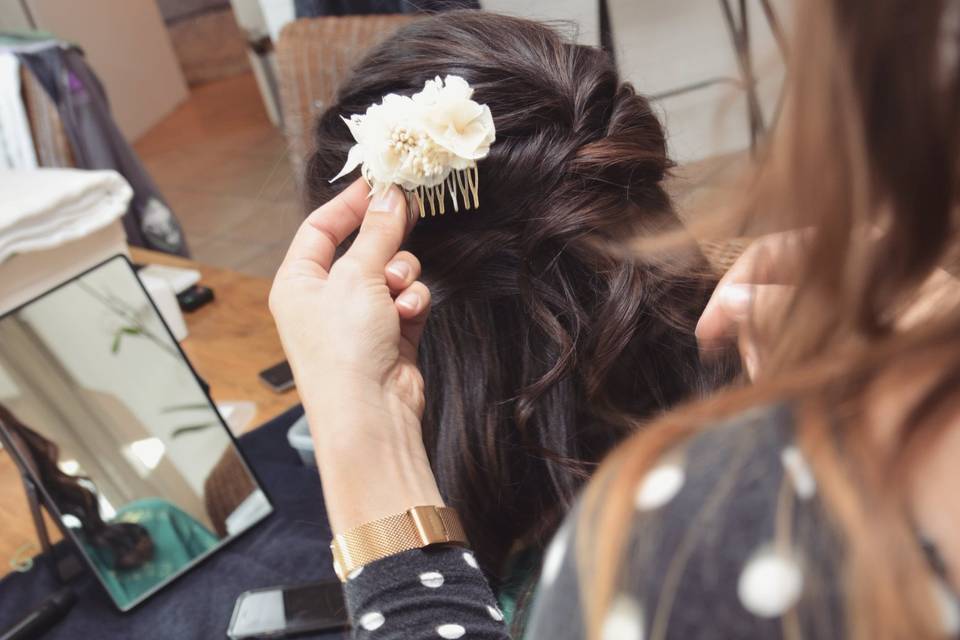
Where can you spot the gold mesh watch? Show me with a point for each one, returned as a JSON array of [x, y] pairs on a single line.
[[413, 529]]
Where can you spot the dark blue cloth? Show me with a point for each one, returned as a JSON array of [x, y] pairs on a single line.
[[290, 547]]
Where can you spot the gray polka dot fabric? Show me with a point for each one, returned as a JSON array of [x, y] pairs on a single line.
[[729, 541]]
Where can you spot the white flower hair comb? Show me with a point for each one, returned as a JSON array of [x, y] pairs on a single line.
[[428, 144]]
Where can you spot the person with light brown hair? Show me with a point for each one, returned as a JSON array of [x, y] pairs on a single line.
[[816, 503]]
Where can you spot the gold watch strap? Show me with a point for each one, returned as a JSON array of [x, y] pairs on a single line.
[[413, 529]]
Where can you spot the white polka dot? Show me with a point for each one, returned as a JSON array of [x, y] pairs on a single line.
[[949, 609], [495, 612], [799, 472], [450, 631], [371, 621], [353, 574], [659, 486], [770, 583], [470, 559], [554, 559], [624, 620], [432, 579]]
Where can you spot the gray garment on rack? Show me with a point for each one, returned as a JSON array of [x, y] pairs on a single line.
[[98, 144]]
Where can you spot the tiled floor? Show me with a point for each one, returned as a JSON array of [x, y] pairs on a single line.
[[223, 167]]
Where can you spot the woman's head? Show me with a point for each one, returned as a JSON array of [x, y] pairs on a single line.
[[129, 544], [543, 348]]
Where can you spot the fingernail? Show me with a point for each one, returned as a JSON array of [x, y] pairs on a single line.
[[386, 201], [409, 300], [735, 299], [400, 269]]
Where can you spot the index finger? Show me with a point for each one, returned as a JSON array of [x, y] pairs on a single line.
[[318, 237], [770, 259]]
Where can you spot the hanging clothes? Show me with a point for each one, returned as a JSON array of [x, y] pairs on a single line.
[[49, 138], [97, 143], [16, 140]]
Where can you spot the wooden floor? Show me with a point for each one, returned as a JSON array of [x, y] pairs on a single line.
[[223, 168]]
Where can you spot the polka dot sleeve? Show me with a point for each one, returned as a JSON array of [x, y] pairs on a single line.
[[728, 539], [423, 594]]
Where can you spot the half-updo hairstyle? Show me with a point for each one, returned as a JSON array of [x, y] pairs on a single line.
[[543, 348]]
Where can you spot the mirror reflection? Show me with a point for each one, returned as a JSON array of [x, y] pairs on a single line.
[[100, 404]]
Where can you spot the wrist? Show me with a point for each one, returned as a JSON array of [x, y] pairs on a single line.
[[370, 455], [355, 421], [375, 487]]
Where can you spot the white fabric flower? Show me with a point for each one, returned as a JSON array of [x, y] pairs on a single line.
[[418, 141], [454, 121], [383, 162]]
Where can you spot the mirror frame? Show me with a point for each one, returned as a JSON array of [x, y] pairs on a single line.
[[51, 506]]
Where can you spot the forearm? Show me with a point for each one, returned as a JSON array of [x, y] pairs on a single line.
[[373, 465], [372, 462]]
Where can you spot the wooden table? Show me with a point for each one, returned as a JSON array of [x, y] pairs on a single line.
[[230, 340]]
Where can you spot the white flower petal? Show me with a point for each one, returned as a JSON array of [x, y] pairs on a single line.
[[458, 87], [354, 159], [354, 123]]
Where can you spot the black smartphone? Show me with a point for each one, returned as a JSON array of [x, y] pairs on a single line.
[[194, 297], [281, 612], [278, 377]]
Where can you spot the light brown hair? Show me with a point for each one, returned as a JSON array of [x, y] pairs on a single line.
[[865, 162]]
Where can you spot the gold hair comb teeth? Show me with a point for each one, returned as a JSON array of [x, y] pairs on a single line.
[[463, 183]]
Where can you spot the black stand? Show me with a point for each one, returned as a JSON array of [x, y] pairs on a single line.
[[738, 27], [65, 567]]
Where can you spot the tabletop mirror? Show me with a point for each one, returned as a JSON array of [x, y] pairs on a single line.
[[101, 407]]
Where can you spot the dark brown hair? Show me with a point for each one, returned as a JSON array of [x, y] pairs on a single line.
[[543, 349], [866, 163], [129, 543]]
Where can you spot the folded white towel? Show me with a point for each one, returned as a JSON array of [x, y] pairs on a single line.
[[43, 208]]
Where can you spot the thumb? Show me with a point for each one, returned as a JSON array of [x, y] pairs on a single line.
[[733, 306], [381, 232]]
